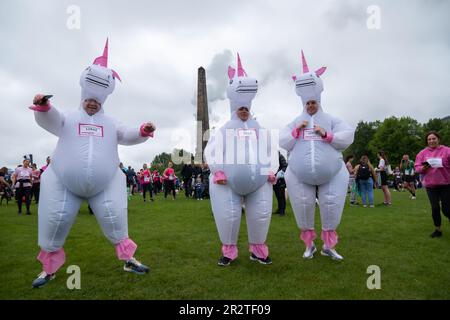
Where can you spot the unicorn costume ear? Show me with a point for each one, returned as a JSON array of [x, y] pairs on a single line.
[[242, 89], [309, 85], [98, 81]]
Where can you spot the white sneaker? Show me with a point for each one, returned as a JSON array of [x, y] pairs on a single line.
[[413, 198], [331, 253], [309, 252], [365, 205], [372, 206]]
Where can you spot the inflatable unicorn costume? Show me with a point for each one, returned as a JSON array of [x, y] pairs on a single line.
[[239, 174], [315, 141], [85, 166]]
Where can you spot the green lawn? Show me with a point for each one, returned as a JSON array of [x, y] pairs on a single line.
[[179, 241]]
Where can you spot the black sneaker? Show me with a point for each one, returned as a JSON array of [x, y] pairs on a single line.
[[436, 234], [260, 260], [224, 261], [42, 279], [135, 266]]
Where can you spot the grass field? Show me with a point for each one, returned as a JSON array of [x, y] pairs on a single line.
[[179, 241]]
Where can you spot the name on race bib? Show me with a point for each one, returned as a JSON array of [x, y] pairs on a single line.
[[246, 133], [309, 134], [90, 130]]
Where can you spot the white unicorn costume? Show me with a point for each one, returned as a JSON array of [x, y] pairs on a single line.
[[316, 162], [233, 154], [85, 166]]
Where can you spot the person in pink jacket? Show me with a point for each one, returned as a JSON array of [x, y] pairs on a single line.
[[433, 163]]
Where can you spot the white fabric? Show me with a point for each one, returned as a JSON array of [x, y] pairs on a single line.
[[316, 162], [58, 208], [238, 151], [331, 199], [227, 209]]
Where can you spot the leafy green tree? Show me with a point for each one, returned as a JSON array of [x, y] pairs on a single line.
[[363, 134], [396, 137]]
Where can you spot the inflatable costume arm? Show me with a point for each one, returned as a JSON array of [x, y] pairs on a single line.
[[129, 136], [287, 140], [342, 134]]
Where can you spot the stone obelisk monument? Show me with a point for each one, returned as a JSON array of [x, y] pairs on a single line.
[[202, 116]]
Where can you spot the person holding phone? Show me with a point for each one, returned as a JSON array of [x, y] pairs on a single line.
[[433, 163]]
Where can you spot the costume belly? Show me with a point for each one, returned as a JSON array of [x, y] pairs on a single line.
[[315, 162], [244, 178], [86, 156]]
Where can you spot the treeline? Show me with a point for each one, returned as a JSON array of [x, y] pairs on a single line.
[[395, 136]]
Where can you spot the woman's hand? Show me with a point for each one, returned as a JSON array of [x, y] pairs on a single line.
[[319, 130], [302, 125]]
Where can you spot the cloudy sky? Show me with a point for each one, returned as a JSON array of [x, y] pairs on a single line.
[[384, 58]]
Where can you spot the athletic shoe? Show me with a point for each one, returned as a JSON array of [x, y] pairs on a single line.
[[371, 206], [260, 260], [365, 205], [413, 198], [309, 252], [331, 253], [135, 266], [436, 234], [42, 279], [224, 261]]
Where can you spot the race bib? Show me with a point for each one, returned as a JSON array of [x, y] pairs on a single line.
[[246, 133], [146, 179], [435, 162], [171, 177], [309, 134], [90, 130]]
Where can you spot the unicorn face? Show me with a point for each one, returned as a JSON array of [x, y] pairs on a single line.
[[308, 85], [242, 89], [98, 81]]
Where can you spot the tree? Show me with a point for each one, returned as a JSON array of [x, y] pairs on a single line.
[[363, 134], [396, 137]]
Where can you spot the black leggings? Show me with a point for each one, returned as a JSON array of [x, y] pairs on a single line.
[[35, 189], [147, 187], [23, 192], [169, 185], [436, 195]]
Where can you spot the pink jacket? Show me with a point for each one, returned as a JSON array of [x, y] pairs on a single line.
[[434, 176]]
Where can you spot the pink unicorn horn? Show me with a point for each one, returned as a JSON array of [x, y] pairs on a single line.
[[103, 59], [241, 71], [305, 65]]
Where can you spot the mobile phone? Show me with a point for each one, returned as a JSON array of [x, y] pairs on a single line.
[[44, 99], [425, 163]]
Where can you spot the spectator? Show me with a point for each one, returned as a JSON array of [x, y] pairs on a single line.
[[398, 181], [146, 179], [382, 169], [199, 188], [186, 173], [5, 187], [205, 179], [352, 179], [46, 165], [35, 183], [409, 180], [279, 188], [22, 182], [433, 163], [365, 178], [169, 181]]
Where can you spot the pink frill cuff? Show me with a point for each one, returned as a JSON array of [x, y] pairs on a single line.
[[125, 249], [52, 261], [296, 133], [259, 250], [145, 133], [308, 236], [330, 238], [40, 108], [219, 175], [230, 251]]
